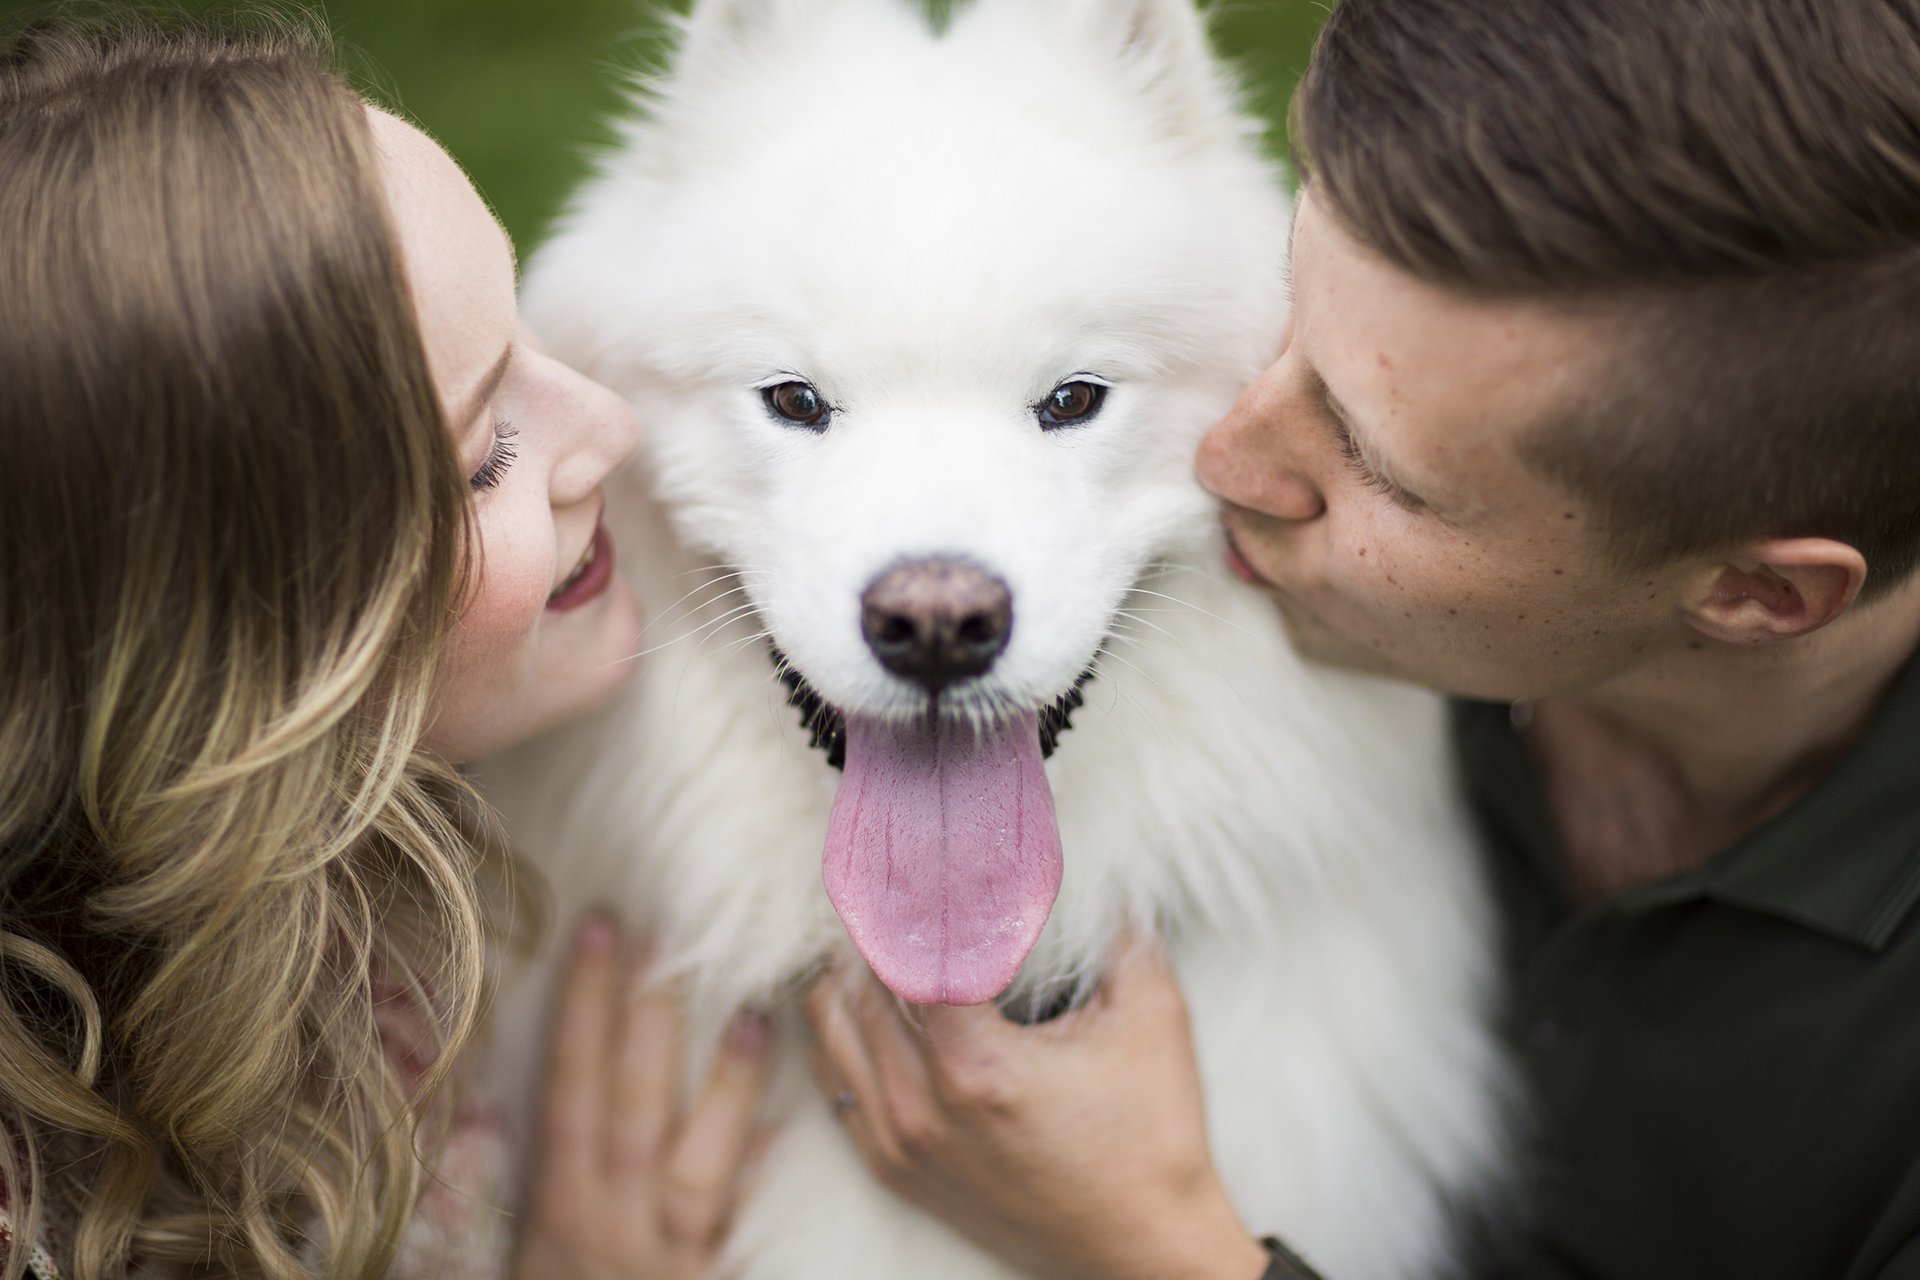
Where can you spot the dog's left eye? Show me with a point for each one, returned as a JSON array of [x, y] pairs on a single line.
[[1071, 403], [799, 403]]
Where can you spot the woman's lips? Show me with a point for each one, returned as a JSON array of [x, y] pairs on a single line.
[[589, 578]]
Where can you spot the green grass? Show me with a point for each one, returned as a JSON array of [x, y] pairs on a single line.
[[516, 89]]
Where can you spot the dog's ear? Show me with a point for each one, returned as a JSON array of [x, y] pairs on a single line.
[[720, 28], [1164, 44]]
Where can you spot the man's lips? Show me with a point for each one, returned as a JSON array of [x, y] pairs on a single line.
[[1242, 567]]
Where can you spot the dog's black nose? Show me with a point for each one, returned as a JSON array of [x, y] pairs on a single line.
[[936, 621]]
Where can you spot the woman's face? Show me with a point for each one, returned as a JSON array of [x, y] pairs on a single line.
[[548, 629]]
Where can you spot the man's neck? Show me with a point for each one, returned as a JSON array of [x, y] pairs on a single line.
[[1656, 771]]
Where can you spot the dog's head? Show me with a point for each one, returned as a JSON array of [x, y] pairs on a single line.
[[926, 327]]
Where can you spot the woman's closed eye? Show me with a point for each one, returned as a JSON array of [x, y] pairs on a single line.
[[499, 458]]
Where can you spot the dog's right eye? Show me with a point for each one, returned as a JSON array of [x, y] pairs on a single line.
[[798, 403], [1070, 404]]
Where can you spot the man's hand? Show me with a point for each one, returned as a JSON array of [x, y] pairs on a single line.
[[1076, 1149], [626, 1187]]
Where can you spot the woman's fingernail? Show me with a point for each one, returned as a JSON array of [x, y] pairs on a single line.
[[597, 934], [748, 1032]]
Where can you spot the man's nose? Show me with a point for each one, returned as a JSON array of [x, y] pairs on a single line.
[[1254, 458]]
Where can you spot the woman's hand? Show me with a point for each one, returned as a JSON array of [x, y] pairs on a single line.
[[626, 1187], [1074, 1149]]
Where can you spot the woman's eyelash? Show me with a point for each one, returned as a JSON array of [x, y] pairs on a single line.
[[499, 459]]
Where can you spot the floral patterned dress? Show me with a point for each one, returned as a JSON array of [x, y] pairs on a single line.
[[460, 1229], [40, 1264], [458, 1232]]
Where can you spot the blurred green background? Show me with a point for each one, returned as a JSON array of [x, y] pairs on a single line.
[[516, 88]]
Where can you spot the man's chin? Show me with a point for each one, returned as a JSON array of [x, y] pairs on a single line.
[[1320, 644]]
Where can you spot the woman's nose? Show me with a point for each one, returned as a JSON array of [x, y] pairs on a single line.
[[605, 433]]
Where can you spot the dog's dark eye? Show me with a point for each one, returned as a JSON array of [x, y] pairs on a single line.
[[1071, 403], [799, 403]]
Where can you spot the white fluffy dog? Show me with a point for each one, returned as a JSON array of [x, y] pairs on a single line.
[[925, 327]]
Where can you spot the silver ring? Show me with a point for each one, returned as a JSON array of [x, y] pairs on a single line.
[[844, 1101]]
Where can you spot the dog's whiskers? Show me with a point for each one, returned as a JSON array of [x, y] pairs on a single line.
[[720, 621], [1121, 691], [1130, 665], [718, 627], [1188, 604], [1159, 568], [1132, 616], [676, 607], [765, 633], [705, 631], [717, 570]]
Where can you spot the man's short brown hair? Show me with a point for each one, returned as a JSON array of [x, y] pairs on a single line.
[[1738, 180]]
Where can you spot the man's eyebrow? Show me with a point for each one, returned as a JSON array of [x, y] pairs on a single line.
[[1286, 265], [1335, 406], [484, 391]]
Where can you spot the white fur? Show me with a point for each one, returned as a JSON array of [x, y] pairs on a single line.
[[936, 232]]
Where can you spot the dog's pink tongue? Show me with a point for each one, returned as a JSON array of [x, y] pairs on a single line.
[[943, 856]]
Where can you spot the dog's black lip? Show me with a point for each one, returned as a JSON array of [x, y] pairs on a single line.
[[827, 728]]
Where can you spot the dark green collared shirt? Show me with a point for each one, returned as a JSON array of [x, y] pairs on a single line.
[[1725, 1065]]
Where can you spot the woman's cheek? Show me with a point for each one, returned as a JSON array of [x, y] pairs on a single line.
[[503, 614], [514, 583]]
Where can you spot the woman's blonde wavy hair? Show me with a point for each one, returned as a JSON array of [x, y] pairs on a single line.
[[232, 531]]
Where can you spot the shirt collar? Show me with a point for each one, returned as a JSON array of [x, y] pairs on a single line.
[[1843, 861]]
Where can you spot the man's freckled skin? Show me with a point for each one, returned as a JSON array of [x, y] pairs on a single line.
[[1453, 438]]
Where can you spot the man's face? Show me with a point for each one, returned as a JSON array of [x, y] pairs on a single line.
[[1376, 486]]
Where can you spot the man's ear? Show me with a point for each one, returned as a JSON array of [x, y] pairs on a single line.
[[1776, 590]]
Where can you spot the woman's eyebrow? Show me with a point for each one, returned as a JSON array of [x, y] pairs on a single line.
[[484, 391], [513, 252]]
